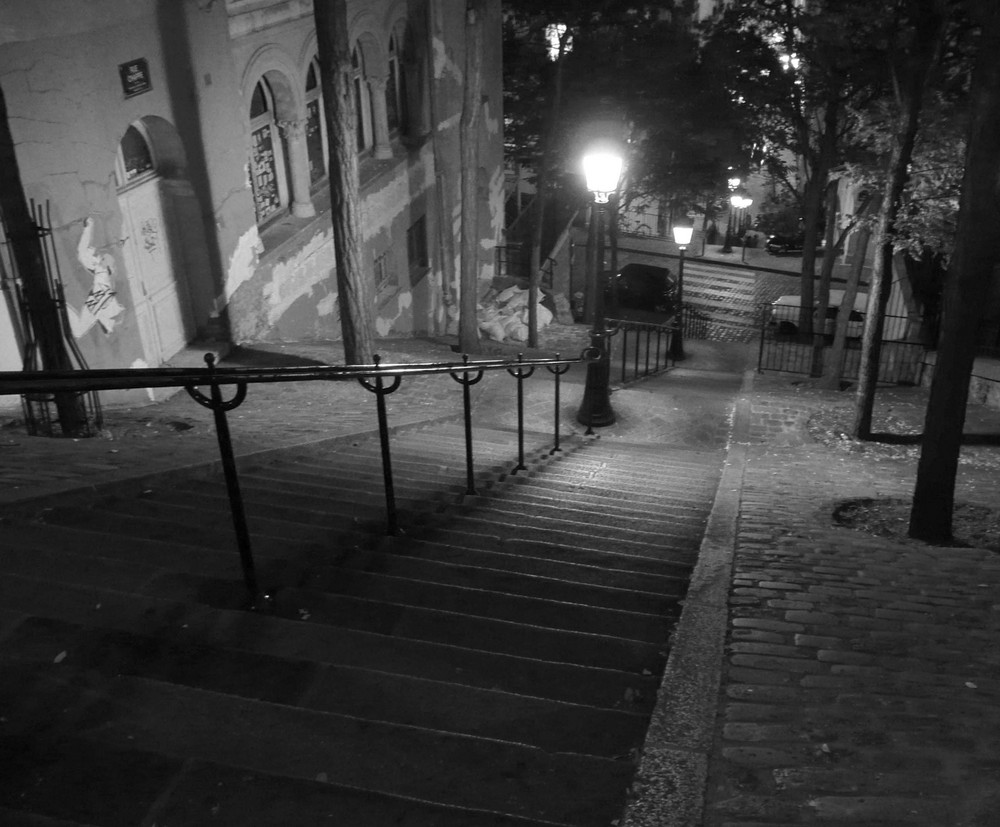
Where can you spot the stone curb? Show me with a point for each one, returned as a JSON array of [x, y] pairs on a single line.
[[670, 785]]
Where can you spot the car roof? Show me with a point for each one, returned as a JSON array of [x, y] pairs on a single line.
[[836, 297], [644, 271]]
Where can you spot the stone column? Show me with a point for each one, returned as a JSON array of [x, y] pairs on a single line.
[[298, 167], [380, 118]]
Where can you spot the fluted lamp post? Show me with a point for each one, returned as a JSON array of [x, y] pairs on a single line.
[[603, 171], [682, 237]]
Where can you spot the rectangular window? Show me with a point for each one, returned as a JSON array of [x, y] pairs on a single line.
[[416, 250], [264, 174], [359, 124], [314, 142], [385, 275]]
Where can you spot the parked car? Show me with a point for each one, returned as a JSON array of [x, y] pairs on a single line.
[[643, 287], [779, 244], [785, 314]]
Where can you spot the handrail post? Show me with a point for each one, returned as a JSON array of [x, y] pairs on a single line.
[[520, 374], [257, 600], [763, 330], [381, 391], [648, 336], [466, 383], [557, 371], [635, 366], [624, 349]]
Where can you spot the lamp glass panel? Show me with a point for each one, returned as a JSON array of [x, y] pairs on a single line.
[[602, 170]]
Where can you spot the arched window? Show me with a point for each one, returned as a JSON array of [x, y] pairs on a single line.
[[362, 102], [135, 160], [267, 162], [315, 126], [395, 90]]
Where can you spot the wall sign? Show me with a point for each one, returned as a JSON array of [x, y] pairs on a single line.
[[135, 77]]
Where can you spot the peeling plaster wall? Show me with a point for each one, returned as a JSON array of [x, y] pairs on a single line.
[[59, 69], [59, 64]]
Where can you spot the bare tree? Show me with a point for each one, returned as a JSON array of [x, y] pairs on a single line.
[[542, 187], [354, 288], [969, 276]]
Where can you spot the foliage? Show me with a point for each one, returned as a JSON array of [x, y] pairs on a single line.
[[632, 72]]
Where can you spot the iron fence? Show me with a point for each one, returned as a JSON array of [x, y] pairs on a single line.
[[642, 348], [901, 362], [206, 386]]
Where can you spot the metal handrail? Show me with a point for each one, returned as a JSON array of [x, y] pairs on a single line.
[[378, 378]]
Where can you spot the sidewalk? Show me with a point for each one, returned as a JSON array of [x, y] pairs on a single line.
[[860, 675]]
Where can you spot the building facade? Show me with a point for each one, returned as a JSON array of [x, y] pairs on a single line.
[[180, 148]]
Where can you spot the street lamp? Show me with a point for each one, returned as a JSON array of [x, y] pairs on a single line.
[[682, 237], [741, 202], [603, 171]]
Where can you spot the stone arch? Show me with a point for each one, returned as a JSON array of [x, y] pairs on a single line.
[[308, 53], [368, 36], [283, 75], [165, 145]]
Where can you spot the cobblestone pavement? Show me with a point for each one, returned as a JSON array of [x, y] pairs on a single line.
[[861, 677]]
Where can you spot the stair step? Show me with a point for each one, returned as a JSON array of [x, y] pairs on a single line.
[[460, 771], [479, 601], [541, 499], [642, 543], [641, 526], [360, 693], [478, 570], [284, 637], [455, 629], [581, 550]]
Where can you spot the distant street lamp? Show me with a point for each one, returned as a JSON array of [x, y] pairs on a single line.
[[682, 237], [741, 202], [603, 171], [727, 245]]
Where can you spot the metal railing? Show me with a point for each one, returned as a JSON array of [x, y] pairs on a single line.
[[377, 378], [901, 362], [648, 352]]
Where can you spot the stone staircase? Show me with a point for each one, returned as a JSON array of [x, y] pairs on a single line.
[[494, 663]]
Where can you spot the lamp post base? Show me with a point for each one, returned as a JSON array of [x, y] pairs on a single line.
[[595, 408]]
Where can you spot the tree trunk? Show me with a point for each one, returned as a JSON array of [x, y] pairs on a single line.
[[29, 259], [812, 207], [541, 192], [354, 288], [468, 322], [929, 31], [445, 184], [966, 290], [834, 369], [826, 273]]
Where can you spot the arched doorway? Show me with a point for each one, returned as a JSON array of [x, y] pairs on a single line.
[[150, 179]]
